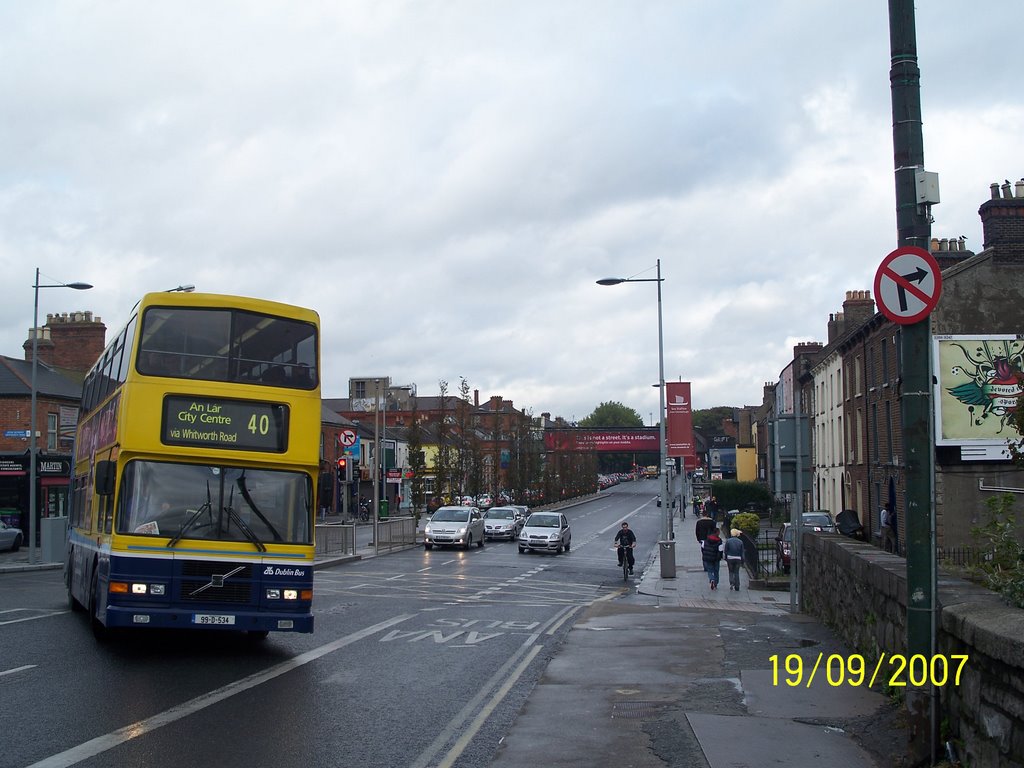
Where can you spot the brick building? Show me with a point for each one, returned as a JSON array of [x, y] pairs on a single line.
[[67, 345]]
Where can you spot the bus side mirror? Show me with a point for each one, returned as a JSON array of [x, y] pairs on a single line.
[[105, 473]]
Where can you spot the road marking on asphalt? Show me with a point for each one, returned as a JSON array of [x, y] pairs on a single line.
[[509, 672], [108, 741], [17, 669], [41, 615]]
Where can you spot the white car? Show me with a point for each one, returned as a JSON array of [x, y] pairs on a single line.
[[545, 532], [10, 537], [454, 527], [503, 523]]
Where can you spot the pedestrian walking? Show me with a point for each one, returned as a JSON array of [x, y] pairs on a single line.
[[886, 521], [696, 505], [711, 507], [733, 550], [711, 554], [703, 527]]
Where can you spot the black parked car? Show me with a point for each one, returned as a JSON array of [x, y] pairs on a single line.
[[848, 524]]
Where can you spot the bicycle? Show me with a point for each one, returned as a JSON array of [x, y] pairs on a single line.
[[625, 562]]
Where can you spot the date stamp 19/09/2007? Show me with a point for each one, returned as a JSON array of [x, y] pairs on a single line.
[[892, 670]]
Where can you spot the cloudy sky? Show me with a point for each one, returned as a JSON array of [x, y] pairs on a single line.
[[444, 180]]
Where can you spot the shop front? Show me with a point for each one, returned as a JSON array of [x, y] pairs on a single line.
[[52, 473]]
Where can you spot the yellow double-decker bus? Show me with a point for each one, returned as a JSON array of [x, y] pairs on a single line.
[[196, 462]]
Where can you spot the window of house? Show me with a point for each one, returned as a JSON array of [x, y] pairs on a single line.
[[859, 447], [51, 432], [888, 430]]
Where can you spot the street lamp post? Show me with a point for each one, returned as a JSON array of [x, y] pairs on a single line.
[[32, 418], [666, 511]]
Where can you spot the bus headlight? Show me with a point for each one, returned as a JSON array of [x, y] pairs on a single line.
[[291, 594], [144, 589], [273, 594]]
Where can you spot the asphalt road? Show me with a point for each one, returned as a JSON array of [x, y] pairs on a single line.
[[418, 659]]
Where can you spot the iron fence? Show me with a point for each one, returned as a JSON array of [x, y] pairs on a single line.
[[335, 539]]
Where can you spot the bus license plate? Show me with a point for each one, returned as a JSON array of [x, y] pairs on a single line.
[[212, 618]]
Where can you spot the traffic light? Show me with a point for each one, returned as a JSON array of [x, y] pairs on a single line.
[[344, 469]]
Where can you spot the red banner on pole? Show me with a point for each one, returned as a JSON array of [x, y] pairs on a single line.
[[680, 422]]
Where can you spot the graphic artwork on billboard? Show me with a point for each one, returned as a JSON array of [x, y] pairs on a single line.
[[978, 382]]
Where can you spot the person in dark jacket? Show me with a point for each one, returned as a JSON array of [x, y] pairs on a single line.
[[625, 542], [711, 554], [703, 527], [711, 507]]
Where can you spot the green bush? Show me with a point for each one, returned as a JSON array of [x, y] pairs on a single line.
[[747, 522], [1003, 569]]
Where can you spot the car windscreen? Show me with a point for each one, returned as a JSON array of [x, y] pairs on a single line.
[[542, 521], [823, 520], [450, 516], [500, 514]]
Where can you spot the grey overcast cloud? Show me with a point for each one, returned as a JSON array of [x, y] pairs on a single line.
[[444, 181]]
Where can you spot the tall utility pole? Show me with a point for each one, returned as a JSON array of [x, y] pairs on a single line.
[[913, 223]]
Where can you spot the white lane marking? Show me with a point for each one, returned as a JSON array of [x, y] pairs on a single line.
[[455, 724], [108, 741], [30, 618], [488, 708], [17, 669], [626, 517]]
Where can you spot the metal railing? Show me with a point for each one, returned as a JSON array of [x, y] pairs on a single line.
[[335, 539], [396, 533]]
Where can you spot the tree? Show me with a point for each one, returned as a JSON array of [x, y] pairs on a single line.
[[612, 414], [710, 419], [417, 462]]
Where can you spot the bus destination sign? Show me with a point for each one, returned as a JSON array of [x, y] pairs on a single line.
[[208, 422]]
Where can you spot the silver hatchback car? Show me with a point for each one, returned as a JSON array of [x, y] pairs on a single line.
[[454, 527], [503, 523], [545, 532]]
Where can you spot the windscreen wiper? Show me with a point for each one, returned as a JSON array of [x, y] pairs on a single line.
[[245, 529], [189, 523], [252, 505]]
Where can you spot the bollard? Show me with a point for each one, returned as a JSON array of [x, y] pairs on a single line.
[[668, 559]]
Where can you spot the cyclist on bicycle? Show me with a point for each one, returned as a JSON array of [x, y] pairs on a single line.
[[625, 542]]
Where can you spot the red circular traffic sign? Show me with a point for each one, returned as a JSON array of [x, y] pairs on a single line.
[[348, 437], [907, 285]]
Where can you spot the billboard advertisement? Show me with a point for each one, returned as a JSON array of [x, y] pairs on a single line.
[[978, 380], [607, 439], [679, 423]]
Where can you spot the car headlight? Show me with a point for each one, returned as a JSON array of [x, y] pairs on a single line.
[[426, 529], [462, 530], [553, 537]]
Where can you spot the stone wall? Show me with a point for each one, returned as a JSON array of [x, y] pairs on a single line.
[[861, 593]]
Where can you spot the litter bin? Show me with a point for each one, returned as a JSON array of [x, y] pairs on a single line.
[[54, 532], [383, 511], [668, 559]]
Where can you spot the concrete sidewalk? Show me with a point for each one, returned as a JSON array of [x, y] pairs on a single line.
[[674, 674]]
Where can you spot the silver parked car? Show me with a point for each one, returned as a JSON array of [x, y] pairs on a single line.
[[819, 520], [503, 523], [10, 537], [454, 527], [545, 532]]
